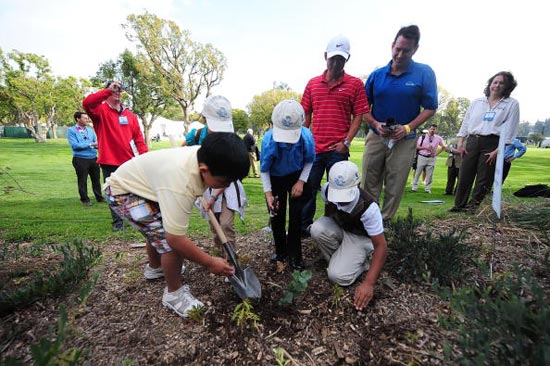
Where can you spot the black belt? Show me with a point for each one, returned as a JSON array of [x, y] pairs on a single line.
[[486, 136]]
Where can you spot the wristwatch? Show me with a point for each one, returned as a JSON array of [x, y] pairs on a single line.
[[347, 143]]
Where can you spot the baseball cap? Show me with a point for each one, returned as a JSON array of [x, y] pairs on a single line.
[[339, 45], [217, 112], [343, 179], [287, 117]]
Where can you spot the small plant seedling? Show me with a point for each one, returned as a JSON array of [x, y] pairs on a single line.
[[244, 313], [296, 287], [337, 295], [280, 357], [196, 313]]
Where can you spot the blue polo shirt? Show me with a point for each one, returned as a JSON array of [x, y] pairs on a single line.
[[281, 159], [400, 97]]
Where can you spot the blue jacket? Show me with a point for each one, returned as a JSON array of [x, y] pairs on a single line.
[[510, 150], [281, 159], [80, 141]]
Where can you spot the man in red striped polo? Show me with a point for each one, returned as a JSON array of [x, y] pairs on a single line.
[[337, 102]]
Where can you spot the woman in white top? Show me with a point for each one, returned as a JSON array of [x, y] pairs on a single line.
[[478, 139]]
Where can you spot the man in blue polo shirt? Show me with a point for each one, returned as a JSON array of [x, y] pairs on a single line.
[[403, 95]]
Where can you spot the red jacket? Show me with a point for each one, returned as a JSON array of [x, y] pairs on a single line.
[[114, 130]]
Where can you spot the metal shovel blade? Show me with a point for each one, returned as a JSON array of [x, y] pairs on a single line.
[[244, 281]]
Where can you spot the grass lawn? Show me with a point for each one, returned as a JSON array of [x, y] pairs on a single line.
[[49, 210]]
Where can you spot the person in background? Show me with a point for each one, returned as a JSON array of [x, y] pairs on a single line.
[[403, 95], [415, 162], [478, 139], [427, 154], [224, 201], [83, 142], [512, 152], [334, 103], [155, 193], [119, 136], [350, 232], [288, 151], [453, 168], [250, 143]]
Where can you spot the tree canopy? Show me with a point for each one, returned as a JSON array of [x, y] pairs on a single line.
[[186, 69], [262, 106]]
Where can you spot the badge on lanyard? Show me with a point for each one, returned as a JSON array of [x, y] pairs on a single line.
[[489, 116], [123, 120]]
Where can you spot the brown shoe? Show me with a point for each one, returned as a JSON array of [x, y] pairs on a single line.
[[86, 203]]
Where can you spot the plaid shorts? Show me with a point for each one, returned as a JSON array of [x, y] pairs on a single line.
[[142, 214]]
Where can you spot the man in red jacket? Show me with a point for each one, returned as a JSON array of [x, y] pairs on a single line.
[[118, 133]]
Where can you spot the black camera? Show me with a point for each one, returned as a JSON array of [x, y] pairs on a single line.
[[391, 124]]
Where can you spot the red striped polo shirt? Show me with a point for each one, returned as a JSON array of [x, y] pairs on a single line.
[[333, 107]]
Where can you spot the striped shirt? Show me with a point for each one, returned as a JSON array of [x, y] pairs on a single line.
[[332, 108]]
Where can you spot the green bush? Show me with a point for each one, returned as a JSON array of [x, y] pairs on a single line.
[[506, 322], [52, 352], [442, 258], [57, 280]]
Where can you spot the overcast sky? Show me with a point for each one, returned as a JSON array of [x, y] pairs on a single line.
[[465, 42]]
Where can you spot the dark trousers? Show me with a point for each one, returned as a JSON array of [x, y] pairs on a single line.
[[474, 167], [505, 170], [84, 167], [323, 162], [287, 245], [107, 170], [452, 176]]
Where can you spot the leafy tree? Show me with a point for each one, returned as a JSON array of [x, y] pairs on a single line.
[[537, 138], [36, 95], [450, 113], [262, 106], [186, 69], [142, 86], [240, 120], [524, 129]]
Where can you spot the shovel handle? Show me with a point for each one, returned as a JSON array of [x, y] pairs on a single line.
[[228, 248], [214, 221]]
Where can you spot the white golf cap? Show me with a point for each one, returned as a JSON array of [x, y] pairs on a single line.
[[287, 117], [343, 181], [339, 45], [217, 112]]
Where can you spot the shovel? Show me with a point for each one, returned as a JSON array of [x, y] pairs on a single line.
[[244, 281]]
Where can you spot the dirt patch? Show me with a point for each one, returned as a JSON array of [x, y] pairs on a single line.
[[124, 322]]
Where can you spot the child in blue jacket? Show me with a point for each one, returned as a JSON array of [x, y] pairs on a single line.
[[288, 152]]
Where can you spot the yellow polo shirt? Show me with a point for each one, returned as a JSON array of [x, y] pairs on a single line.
[[170, 177]]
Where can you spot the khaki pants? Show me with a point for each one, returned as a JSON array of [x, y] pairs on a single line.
[[225, 218], [428, 163], [388, 168], [253, 165], [348, 254]]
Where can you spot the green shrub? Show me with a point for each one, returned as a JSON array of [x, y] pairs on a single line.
[[296, 287], [52, 352], [506, 322], [57, 280], [442, 257]]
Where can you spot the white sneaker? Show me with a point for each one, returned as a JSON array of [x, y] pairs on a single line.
[[156, 273], [181, 301]]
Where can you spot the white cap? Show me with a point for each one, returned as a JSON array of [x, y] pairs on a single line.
[[343, 179], [287, 117], [217, 112], [339, 45], [249, 131], [425, 131]]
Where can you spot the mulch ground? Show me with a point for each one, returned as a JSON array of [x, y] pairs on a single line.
[[123, 321]]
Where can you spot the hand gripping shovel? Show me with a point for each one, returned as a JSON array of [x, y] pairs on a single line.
[[244, 281]]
